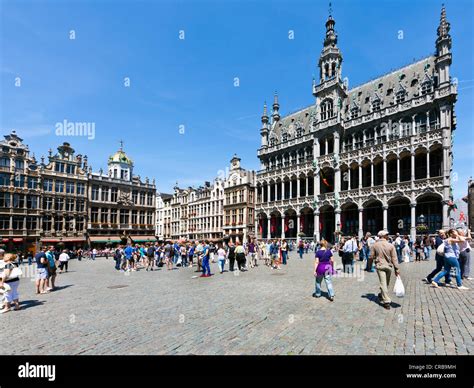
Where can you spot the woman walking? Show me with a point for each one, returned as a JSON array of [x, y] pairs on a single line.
[[323, 269], [240, 256], [221, 256], [10, 281], [451, 259]]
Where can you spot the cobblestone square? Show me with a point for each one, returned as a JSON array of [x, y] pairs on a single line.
[[260, 312]]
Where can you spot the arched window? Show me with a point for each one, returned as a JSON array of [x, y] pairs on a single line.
[[284, 137], [326, 109], [299, 132], [400, 97], [426, 87]]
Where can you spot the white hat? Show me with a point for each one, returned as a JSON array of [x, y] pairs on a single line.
[[382, 233]]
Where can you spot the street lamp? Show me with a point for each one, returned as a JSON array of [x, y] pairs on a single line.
[[422, 219]]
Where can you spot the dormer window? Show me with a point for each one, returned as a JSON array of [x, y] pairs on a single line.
[[354, 112], [284, 137], [299, 132], [400, 96], [272, 142], [426, 87], [375, 105]]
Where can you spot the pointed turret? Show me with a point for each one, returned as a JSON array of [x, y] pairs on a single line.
[[276, 108], [443, 48], [264, 128]]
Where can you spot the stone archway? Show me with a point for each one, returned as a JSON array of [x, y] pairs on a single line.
[[372, 217], [399, 216], [327, 223]]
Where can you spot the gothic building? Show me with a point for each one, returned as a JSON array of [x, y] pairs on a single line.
[[377, 156]]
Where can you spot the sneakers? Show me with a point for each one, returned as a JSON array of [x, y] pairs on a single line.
[[386, 306], [463, 288], [434, 284]]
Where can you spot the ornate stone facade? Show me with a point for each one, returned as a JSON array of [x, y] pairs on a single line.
[[377, 156]]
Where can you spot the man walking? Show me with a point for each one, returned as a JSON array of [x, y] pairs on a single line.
[[385, 256], [349, 249], [439, 260]]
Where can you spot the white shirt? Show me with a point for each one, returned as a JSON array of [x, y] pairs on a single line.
[[350, 246], [63, 257]]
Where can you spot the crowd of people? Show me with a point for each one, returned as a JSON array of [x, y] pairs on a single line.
[[379, 253]]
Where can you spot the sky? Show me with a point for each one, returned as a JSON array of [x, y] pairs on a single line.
[[182, 83]]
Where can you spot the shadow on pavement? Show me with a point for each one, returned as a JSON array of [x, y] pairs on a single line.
[[26, 304], [374, 298]]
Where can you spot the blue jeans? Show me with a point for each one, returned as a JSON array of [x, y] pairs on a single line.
[[399, 253], [221, 264], [206, 268], [450, 262], [439, 266], [328, 280], [301, 253], [427, 252], [284, 255]]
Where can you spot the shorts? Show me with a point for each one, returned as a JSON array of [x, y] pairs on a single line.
[[51, 271], [12, 295], [41, 273]]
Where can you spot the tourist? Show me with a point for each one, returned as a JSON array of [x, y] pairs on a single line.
[[406, 251], [284, 251], [240, 256], [369, 241], [385, 257], [50, 282], [118, 258], [11, 278], [418, 248], [439, 260], [451, 255], [150, 257], [63, 260], [427, 246], [128, 252], [398, 248], [275, 262], [252, 254], [465, 254], [29, 257], [169, 255], [41, 271], [191, 254], [206, 268], [300, 248], [231, 256], [94, 254], [221, 256], [184, 255], [349, 249], [323, 269]]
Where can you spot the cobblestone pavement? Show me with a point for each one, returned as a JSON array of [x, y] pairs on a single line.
[[261, 311]]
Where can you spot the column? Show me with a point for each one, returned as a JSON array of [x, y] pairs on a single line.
[[398, 169], [256, 229], [413, 123], [306, 180], [446, 225], [316, 226], [283, 226], [361, 222], [372, 174], [413, 221], [298, 188], [360, 176], [385, 217], [349, 178], [337, 219], [297, 227], [412, 166], [384, 171], [268, 192], [326, 146], [428, 164], [282, 190], [364, 138], [291, 188], [389, 129], [317, 148], [336, 142], [427, 121]]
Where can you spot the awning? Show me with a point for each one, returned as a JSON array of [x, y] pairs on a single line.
[[143, 238], [63, 239], [105, 239], [17, 240]]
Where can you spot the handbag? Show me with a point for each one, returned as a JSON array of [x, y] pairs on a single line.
[[16, 272], [440, 250]]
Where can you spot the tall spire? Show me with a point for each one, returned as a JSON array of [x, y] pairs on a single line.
[[331, 37], [276, 108], [444, 26], [265, 114]]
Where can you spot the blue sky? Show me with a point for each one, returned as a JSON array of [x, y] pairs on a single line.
[[190, 82]]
